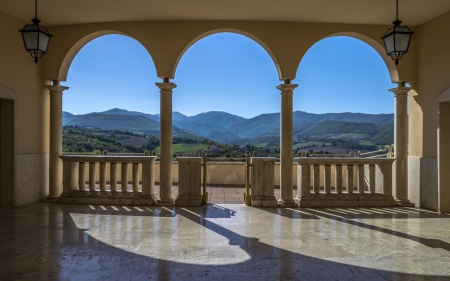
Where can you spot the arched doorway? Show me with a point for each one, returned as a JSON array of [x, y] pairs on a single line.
[[348, 78], [226, 83]]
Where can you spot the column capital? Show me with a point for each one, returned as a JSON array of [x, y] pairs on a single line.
[[166, 86], [56, 89], [400, 90], [287, 88]]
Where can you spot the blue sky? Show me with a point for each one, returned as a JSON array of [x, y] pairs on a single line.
[[228, 72]]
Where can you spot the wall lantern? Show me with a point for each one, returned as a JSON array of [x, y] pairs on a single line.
[[397, 39], [35, 37]]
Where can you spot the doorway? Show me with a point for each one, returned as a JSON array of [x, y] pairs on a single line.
[[7, 147], [444, 154]]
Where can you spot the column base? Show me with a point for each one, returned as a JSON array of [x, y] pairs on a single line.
[[404, 203], [51, 199], [264, 201], [284, 204], [188, 201], [165, 203]]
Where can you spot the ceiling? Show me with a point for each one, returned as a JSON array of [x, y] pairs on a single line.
[[63, 12]]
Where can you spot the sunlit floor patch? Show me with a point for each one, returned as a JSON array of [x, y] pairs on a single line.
[[194, 242]]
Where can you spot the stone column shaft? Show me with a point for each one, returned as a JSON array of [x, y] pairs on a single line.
[[286, 145], [165, 158], [401, 145], [55, 150]]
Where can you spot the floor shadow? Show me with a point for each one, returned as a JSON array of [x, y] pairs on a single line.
[[432, 243], [43, 242]]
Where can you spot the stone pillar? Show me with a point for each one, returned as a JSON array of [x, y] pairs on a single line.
[[189, 181], [55, 165], [286, 145], [165, 158], [401, 145], [263, 182]]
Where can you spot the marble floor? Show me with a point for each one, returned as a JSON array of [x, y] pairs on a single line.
[[45, 241]]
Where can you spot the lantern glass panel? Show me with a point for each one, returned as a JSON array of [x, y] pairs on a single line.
[[389, 43], [402, 42], [30, 37], [43, 41]]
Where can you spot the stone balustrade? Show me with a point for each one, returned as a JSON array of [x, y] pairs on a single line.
[[344, 182], [105, 170]]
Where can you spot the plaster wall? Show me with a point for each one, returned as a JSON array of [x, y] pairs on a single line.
[[433, 78], [166, 41], [22, 76]]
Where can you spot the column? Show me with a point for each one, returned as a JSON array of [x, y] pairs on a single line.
[[286, 144], [401, 145], [165, 146], [55, 163]]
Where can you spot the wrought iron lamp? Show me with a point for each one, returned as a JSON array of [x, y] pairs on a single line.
[[35, 37], [397, 39]]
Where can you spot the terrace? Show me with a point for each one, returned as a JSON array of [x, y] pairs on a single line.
[[303, 218]]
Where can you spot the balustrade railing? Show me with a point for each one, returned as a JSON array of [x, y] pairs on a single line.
[[74, 179], [333, 182]]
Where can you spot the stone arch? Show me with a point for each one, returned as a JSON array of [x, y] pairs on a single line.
[[390, 65], [230, 30], [71, 54]]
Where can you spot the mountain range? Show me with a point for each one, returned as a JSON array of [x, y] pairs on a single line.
[[227, 128]]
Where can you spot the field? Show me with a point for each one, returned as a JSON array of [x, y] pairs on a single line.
[[186, 147], [309, 143], [333, 149], [352, 136], [366, 142]]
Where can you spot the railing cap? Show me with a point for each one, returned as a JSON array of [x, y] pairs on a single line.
[[108, 159], [331, 161]]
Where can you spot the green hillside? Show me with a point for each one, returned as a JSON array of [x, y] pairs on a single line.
[[134, 123], [337, 127], [228, 128], [82, 139]]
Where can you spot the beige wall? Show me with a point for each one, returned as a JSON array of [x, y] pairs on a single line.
[[22, 76], [433, 77], [426, 66], [19, 73], [166, 41]]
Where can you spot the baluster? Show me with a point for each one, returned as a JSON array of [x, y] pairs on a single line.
[[113, 177], [81, 176], [305, 181], [327, 180], [102, 177], [70, 175], [350, 179], [361, 182], [372, 178], [135, 177], [92, 176], [338, 176], [387, 179], [316, 185], [124, 177], [148, 178]]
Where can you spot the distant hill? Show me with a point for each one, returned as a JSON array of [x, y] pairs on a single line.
[[380, 119], [67, 117], [227, 128], [216, 118], [134, 123]]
